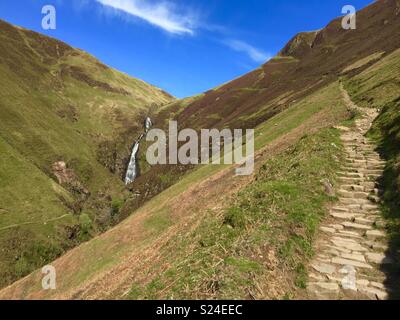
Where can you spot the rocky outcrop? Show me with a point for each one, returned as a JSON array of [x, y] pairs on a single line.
[[299, 45], [67, 177]]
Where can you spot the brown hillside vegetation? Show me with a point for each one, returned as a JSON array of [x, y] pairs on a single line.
[[308, 62]]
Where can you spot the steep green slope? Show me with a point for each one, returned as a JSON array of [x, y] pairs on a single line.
[[57, 104]]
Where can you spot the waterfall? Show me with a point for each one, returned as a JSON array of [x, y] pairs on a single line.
[[132, 171], [133, 168]]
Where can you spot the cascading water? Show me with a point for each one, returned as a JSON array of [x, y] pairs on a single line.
[[133, 168], [132, 171]]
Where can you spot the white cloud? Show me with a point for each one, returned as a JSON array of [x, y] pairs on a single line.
[[255, 54], [158, 13]]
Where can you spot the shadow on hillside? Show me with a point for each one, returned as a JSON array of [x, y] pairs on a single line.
[[391, 213], [386, 132]]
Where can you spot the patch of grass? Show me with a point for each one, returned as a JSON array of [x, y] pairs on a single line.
[[159, 221], [386, 132]]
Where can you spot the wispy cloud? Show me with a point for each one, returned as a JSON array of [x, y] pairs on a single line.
[[162, 14], [255, 54]]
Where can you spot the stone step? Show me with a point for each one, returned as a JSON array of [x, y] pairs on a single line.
[[377, 246], [354, 257], [378, 258], [344, 245], [371, 171], [374, 293], [355, 195], [323, 290], [353, 169], [356, 226], [374, 199], [345, 215], [349, 234], [361, 220], [353, 187], [355, 161], [370, 184], [355, 157], [354, 201], [348, 262], [351, 175], [375, 234], [340, 209], [372, 177], [370, 207], [347, 180]]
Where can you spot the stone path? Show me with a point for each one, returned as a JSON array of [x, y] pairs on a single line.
[[351, 249]]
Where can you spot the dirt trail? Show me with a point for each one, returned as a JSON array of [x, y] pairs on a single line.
[[33, 222], [353, 248]]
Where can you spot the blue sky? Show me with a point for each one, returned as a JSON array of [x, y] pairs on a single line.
[[184, 46]]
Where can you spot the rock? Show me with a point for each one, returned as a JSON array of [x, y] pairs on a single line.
[[317, 277], [352, 256], [324, 268], [329, 190], [337, 226], [374, 234], [324, 290], [378, 258], [328, 230], [356, 264], [374, 293], [370, 207], [340, 249], [362, 282], [356, 226], [360, 220], [344, 216]]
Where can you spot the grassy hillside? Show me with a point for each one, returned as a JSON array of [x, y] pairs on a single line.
[[58, 103]]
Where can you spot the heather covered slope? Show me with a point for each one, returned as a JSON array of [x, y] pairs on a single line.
[[308, 62], [59, 104]]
